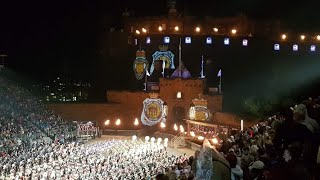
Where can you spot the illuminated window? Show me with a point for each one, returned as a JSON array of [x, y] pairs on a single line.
[[312, 48], [166, 39], [295, 47], [209, 40], [276, 47], [148, 40], [226, 41], [188, 40], [245, 42], [179, 95]]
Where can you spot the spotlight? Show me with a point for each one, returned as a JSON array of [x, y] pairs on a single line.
[[162, 125], [160, 28], [318, 37], [233, 31], [215, 29], [137, 32], [181, 129], [200, 138], [283, 36], [209, 40], [148, 41], [226, 41], [312, 48], [302, 37], [144, 30], [118, 122], [215, 141], [166, 39], [197, 29], [175, 127], [176, 28], [188, 40], [245, 42], [136, 122], [107, 122]]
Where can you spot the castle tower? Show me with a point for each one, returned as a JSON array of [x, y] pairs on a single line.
[[172, 8]]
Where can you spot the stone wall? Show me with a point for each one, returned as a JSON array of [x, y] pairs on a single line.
[[128, 105], [100, 113]]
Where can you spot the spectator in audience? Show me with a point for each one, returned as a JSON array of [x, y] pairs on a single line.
[[256, 170], [236, 171], [162, 177], [246, 158], [221, 167], [293, 167]]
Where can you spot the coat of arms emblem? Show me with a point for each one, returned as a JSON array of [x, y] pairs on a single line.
[[153, 110], [140, 64]]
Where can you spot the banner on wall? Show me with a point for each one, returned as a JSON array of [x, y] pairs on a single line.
[[200, 109], [153, 110], [140, 64], [167, 58]]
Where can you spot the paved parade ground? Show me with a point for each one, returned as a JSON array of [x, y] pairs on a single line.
[[173, 151]]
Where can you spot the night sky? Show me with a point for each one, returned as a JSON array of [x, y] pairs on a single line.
[[48, 38]]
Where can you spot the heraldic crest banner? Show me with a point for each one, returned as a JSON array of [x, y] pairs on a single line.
[[153, 110], [200, 110], [140, 64], [167, 57]]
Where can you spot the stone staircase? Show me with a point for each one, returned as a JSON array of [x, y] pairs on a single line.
[[178, 141]]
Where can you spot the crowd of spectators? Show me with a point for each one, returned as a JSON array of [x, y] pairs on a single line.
[[284, 146], [25, 121]]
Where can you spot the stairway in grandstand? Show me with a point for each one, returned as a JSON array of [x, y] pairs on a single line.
[[178, 141]]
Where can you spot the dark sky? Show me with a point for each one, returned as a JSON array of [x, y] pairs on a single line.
[[47, 37]]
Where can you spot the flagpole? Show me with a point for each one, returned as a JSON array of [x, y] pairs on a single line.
[[202, 73], [220, 84], [220, 88], [180, 62], [163, 66], [145, 81]]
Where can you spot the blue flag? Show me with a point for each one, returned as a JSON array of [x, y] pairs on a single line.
[[219, 73]]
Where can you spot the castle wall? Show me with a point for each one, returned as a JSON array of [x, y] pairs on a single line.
[[99, 113], [178, 109], [126, 97], [128, 105]]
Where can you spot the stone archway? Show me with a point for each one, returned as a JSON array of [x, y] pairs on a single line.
[[178, 113]]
